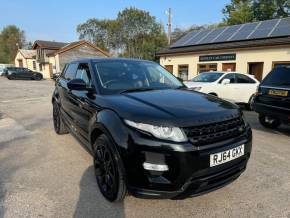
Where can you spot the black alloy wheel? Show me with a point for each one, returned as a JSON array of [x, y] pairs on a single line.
[[108, 170], [37, 77], [11, 77], [59, 126]]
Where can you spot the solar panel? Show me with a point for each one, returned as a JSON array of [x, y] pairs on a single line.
[[244, 31], [282, 29], [183, 39], [227, 33], [264, 29], [212, 35], [198, 37], [256, 30]]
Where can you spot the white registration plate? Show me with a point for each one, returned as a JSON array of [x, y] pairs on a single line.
[[226, 156]]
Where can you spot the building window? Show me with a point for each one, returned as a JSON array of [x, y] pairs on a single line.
[[34, 65], [169, 68], [206, 67], [40, 67], [230, 67], [183, 72], [281, 64]]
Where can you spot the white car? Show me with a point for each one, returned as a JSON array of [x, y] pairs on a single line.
[[231, 86]]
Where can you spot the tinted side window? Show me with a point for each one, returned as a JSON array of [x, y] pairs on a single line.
[[279, 76], [18, 70], [83, 72], [70, 71], [231, 77], [244, 79]]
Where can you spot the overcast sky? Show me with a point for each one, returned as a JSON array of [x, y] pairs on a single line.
[[57, 19]]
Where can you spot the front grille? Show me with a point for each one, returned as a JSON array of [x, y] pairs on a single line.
[[209, 182], [216, 132]]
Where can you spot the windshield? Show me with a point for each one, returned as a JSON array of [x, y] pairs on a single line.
[[123, 75], [279, 76], [207, 77]]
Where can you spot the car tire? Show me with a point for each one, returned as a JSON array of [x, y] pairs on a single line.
[[58, 124], [250, 104], [37, 77], [109, 169], [11, 77], [269, 122]]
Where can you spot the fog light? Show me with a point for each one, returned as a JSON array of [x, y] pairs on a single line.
[[155, 167]]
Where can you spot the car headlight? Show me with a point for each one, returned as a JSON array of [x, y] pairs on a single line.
[[196, 88], [162, 132]]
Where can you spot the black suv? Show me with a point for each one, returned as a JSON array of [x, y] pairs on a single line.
[[21, 73], [272, 100], [148, 134]]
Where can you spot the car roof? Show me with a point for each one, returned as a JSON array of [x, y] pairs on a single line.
[[95, 59]]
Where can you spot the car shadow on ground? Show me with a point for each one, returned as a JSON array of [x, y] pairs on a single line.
[[91, 203], [252, 118]]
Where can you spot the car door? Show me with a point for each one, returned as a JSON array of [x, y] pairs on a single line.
[[64, 93], [26, 73], [226, 91], [19, 73], [29, 74], [244, 88], [82, 107]]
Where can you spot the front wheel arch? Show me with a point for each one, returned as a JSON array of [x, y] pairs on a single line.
[[108, 122], [213, 93]]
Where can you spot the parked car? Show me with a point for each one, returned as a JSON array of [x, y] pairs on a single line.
[[147, 132], [272, 100], [2, 67], [21, 73], [1, 70], [232, 86]]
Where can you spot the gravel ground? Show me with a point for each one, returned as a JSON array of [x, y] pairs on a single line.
[[46, 175]]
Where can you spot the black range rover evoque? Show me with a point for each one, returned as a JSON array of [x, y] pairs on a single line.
[[148, 134]]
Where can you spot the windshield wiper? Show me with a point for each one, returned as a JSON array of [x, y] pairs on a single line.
[[181, 87], [136, 90]]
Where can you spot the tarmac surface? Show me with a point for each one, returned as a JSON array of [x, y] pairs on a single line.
[[46, 175]]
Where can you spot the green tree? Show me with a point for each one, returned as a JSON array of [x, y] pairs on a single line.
[[265, 9], [11, 38], [134, 33], [243, 11], [99, 32], [238, 12], [140, 34]]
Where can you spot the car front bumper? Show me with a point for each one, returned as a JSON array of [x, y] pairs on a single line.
[[189, 171]]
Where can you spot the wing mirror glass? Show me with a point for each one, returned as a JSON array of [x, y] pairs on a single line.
[[226, 81], [78, 85]]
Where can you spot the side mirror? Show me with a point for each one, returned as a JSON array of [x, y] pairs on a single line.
[[55, 76], [226, 81], [78, 85]]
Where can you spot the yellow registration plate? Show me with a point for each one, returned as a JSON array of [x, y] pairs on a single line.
[[278, 92]]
